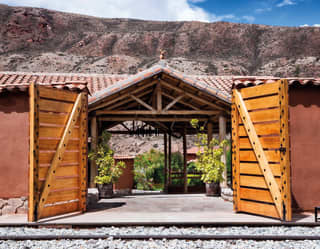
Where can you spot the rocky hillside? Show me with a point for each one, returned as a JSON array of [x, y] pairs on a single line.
[[48, 41]]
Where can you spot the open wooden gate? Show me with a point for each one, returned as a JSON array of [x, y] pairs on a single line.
[[58, 152], [260, 147]]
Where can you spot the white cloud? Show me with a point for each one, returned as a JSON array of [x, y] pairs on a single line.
[[261, 10], [285, 3], [307, 25], [249, 19], [164, 10]]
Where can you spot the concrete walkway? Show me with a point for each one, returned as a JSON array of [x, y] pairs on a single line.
[[159, 208]]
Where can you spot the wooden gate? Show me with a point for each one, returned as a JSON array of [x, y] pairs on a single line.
[[58, 152], [260, 150]]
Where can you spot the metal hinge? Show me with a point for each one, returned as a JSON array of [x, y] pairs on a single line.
[[283, 149]]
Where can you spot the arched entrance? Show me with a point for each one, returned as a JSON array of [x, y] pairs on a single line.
[[166, 100]]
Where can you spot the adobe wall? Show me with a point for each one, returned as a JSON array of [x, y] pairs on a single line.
[[14, 145], [125, 182], [304, 115]]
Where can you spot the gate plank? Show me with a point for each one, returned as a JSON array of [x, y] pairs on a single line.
[[266, 142], [254, 169], [265, 89], [264, 115], [52, 144], [54, 118], [62, 196], [250, 156], [262, 129], [57, 132], [259, 208], [60, 209], [76, 109], [256, 181], [57, 94], [61, 171], [260, 154], [256, 194], [264, 102], [55, 106]]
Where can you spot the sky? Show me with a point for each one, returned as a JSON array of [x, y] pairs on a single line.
[[269, 12]]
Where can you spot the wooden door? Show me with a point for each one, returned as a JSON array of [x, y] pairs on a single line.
[[58, 152], [260, 147]]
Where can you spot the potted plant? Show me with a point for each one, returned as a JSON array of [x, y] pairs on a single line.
[[108, 171], [208, 161]]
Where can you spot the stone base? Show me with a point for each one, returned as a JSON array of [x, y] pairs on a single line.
[[93, 196], [14, 206], [227, 194], [121, 192]]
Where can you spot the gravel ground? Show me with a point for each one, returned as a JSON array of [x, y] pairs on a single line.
[[172, 244], [165, 230]]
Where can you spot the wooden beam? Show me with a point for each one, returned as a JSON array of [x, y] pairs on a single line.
[[112, 99], [185, 173], [57, 158], [285, 154], [222, 136], [33, 152], [192, 96], [140, 101], [143, 118], [209, 131], [181, 102], [146, 112], [172, 103], [165, 143], [127, 100], [259, 152], [159, 97], [235, 156], [169, 159], [83, 149], [94, 143]]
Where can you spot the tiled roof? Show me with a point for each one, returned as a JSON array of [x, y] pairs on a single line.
[[101, 85], [19, 81], [217, 86], [244, 81]]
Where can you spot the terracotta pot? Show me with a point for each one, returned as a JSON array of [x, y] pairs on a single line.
[[213, 189], [105, 190]]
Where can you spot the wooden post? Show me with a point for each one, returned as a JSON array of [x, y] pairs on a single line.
[[222, 136], [169, 158], [165, 143], [185, 173], [209, 132], [94, 141], [34, 152]]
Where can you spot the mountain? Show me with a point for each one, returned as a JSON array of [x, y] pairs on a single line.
[[42, 40]]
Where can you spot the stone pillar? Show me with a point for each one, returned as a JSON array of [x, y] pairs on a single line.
[[222, 136]]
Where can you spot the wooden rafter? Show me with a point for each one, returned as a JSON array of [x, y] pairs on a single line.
[[173, 102], [140, 101], [60, 152], [127, 100], [259, 152], [159, 97], [110, 101], [181, 102], [192, 95]]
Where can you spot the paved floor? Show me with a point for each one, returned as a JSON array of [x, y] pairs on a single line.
[[160, 208]]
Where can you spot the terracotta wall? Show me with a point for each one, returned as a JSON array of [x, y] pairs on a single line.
[[126, 179], [14, 144], [304, 114]]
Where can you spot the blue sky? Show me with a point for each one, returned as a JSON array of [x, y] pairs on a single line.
[[269, 12]]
